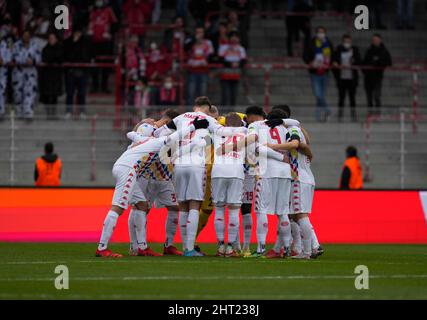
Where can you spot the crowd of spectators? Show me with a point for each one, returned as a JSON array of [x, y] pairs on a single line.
[[218, 37], [321, 57]]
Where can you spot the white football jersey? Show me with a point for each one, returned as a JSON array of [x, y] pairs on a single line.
[[300, 163], [197, 156], [270, 168], [231, 164]]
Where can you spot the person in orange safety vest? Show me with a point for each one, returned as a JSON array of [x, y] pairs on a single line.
[[48, 168], [351, 176]]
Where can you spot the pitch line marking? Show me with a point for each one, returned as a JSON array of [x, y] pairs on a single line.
[[210, 278]]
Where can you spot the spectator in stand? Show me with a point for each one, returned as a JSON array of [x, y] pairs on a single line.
[[200, 53], [346, 56], [202, 9], [157, 11], [135, 61], [39, 27], [242, 20], [297, 23], [317, 54], [141, 97], [376, 7], [76, 50], [220, 37], [352, 173], [405, 14], [158, 63], [379, 57], [5, 58], [101, 21], [48, 169], [174, 37], [167, 93], [234, 58], [26, 15], [137, 13], [51, 76], [26, 55]]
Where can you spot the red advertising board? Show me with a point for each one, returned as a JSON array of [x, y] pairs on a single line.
[[63, 215]]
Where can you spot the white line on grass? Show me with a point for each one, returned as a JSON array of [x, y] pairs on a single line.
[[210, 278]]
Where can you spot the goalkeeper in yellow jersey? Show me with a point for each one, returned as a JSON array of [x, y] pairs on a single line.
[[207, 205]]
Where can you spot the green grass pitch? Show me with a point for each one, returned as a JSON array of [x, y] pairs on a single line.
[[27, 272]]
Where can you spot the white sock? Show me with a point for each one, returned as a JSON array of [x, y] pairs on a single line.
[[219, 224], [233, 226], [183, 217], [132, 232], [247, 230], [285, 232], [306, 231], [296, 237], [192, 225], [261, 231], [140, 218], [107, 230], [279, 238], [171, 223], [314, 242]]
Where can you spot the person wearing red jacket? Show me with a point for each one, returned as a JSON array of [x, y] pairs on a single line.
[[137, 13], [101, 20]]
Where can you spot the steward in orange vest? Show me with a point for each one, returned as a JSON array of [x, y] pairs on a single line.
[[351, 176], [48, 168]]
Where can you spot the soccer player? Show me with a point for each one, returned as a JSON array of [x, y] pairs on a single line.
[[253, 114], [227, 187], [190, 170], [273, 183], [296, 230], [131, 163], [302, 189], [156, 183]]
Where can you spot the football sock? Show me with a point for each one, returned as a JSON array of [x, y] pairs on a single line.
[[296, 237], [247, 230], [261, 231], [306, 232], [314, 242], [219, 223], [233, 226], [132, 232], [193, 222], [171, 223], [140, 218], [107, 230], [183, 217], [285, 230]]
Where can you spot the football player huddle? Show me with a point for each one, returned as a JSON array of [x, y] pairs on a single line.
[[199, 162]]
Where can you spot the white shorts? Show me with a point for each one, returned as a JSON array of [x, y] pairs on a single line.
[[127, 191], [189, 183], [301, 197], [248, 189], [272, 195], [161, 193], [227, 191]]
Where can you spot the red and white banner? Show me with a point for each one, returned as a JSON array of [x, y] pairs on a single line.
[[64, 215]]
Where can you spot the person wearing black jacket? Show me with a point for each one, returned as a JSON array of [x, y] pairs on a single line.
[[345, 56], [51, 75], [376, 56], [76, 50]]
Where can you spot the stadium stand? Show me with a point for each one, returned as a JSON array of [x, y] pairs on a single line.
[[89, 147]]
